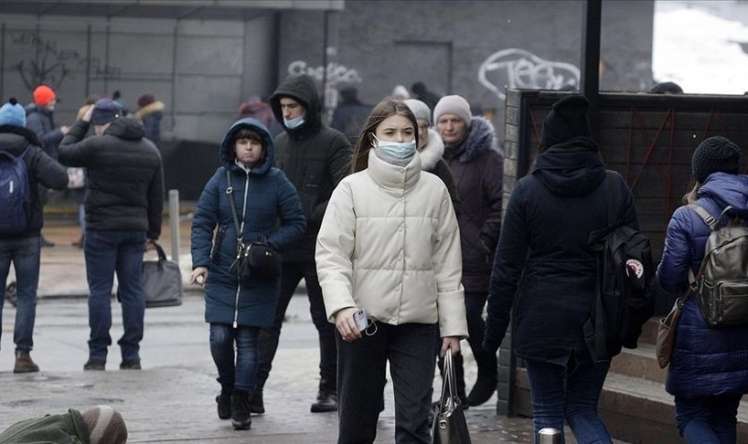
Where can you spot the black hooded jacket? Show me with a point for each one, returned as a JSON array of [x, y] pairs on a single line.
[[41, 168], [543, 256], [314, 157], [125, 176]]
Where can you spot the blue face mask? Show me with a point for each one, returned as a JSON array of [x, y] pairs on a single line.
[[396, 150], [294, 123]]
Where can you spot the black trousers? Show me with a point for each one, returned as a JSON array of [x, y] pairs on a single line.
[[291, 274], [410, 350]]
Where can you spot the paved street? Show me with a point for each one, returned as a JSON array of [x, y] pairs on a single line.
[[171, 400]]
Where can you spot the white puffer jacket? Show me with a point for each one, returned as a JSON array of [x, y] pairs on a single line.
[[390, 244]]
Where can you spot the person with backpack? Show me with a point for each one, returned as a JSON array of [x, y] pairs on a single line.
[[708, 372], [23, 166], [246, 195], [545, 263]]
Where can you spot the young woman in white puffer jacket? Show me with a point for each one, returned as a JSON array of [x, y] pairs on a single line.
[[390, 246]]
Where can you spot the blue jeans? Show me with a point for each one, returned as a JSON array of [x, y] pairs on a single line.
[[235, 370], [708, 420], [108, 252], [570, 393], [24, 253]]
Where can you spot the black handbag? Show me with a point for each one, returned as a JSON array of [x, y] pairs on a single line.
[[449, 425], [256, 260], [162, 281]]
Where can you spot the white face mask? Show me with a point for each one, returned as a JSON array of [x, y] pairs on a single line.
[[294, 123], [396, 150]]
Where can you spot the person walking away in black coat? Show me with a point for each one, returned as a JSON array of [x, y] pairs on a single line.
[[123, 209], [544, 262], [422, 93], [350, 115], [23, 167], [150, 112], [315, 158]]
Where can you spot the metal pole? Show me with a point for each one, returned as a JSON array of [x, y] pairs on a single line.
[[591, 49], [549, 436], [88, 60], [325, 60], [2, 62], [174, 222]]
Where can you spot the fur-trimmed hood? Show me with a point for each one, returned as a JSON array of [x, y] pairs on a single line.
[[432, 152], [481, 138], [155, 107]]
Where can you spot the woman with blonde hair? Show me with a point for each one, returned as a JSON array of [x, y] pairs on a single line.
[[388, 257]]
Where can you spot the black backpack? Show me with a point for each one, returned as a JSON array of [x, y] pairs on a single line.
[[624, 271]]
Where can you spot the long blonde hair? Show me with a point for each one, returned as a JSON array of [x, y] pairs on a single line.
[[692, 195]]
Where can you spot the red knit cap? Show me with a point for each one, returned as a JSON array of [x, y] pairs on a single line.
[[43, 95]]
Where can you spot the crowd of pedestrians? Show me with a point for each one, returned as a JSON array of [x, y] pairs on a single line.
[[395, 222]]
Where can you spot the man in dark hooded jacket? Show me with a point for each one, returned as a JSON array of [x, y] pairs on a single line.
[[477, 166], [315, 158], [123, 209], [544, 261]]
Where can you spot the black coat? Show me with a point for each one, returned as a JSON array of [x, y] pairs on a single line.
[[543, 254], [41, 121], [314, 157], [42, 169], [124, 173]]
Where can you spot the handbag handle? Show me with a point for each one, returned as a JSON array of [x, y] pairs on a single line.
[[232, 205], [449, 390], [160, 251]]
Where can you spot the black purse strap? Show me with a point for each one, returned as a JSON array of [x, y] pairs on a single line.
[[232, 205]]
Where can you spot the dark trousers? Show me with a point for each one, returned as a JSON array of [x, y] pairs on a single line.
[[236, 370], [24, 254], [487, 362], [708, 420], [291, 274], [569, 392], [107, 253], [410, 350]]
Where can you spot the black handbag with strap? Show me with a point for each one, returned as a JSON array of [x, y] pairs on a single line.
[[449, 425], [256, 260]]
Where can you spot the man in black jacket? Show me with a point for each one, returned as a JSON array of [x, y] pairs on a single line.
[[21, 244], [315, 158], [123, 209]]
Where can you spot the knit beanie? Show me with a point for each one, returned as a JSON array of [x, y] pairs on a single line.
[[105, 111], [43, 95], [12, 113], [456, 105], [568, 119], [419, 109], [715, 154], [105, 425]]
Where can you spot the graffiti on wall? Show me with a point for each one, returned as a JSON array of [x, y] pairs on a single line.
[[517, 68], [337, 75], [45, 62]]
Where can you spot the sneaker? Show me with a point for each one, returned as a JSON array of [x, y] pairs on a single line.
[[240, 417], [24, 363], [130, 364], [482, 391], [223, 401], [47, 243], [95, 364], [78, 243], [326, 402], [256, 403]]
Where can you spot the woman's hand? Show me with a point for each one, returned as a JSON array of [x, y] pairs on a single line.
[[199, 276], [346, 325], [452, 343]]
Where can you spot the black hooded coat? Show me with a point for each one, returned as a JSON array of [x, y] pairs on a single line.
[[314, 157]]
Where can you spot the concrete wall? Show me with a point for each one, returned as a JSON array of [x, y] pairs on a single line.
[[201, 69], [472, 48]]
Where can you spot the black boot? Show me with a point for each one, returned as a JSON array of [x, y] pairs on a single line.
[[485, 385], [240, 417], [327, 401], [256, 403], [223, 402]]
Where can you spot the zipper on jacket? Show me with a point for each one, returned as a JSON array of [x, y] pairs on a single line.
[[241, 230], [405, 236]]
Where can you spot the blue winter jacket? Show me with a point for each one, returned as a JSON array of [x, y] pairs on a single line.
[[706, 361], [273, 213]]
